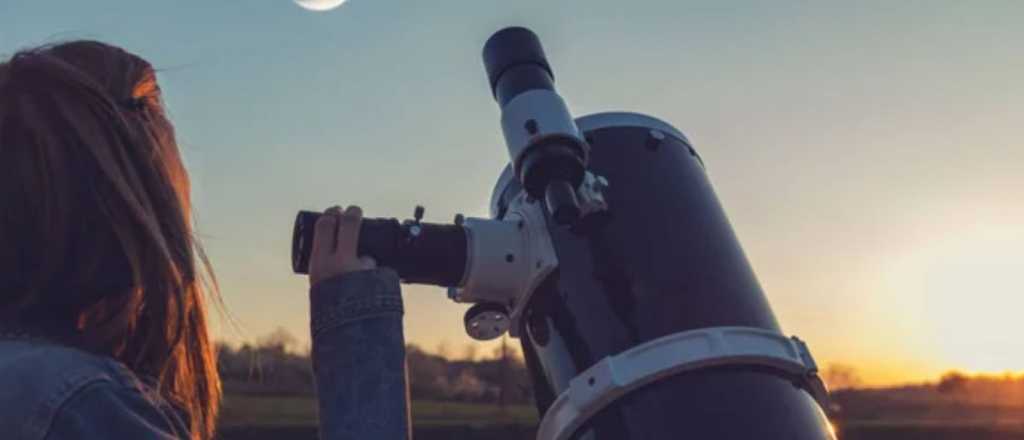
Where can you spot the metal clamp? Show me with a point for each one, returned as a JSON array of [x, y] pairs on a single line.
[[591, 194], [615, 376], [508, 259]]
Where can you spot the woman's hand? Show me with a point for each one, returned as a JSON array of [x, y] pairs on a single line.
[[334, 245]]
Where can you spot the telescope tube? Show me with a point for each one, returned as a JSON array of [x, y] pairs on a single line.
[[662, 260]]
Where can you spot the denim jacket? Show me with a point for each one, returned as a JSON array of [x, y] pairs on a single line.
[[359, 356], [53, 392]]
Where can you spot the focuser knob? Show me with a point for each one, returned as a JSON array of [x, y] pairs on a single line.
[[487, 321], [415, 229]]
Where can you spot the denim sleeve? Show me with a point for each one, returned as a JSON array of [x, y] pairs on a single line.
[[108, 410], [359, 356]]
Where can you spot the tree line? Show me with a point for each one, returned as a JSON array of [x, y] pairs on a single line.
[[276, 365]]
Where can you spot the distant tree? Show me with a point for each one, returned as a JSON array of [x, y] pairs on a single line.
[[273, 365], [467, 386], [428, 374], [952, 383], [280, 340], [503, 385], [841, 376]]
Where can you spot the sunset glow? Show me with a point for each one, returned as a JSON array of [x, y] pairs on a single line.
[[868, 158], [974, 298]]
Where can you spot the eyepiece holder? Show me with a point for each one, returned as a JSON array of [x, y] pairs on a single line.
[[547, 151]]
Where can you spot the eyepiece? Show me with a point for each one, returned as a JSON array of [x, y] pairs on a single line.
[[515, 63]]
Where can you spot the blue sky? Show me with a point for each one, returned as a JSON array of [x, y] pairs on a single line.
[[868, 153]]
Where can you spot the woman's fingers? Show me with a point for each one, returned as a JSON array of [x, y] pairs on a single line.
[[335, 244], [325, 239], [348, 233], [325, 235], [333, 212]]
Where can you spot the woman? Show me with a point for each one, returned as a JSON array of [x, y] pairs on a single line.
[[102, 310]]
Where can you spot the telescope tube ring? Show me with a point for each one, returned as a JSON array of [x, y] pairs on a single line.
[[617, 375]]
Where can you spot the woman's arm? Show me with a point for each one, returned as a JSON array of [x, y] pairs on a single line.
[[358, 344]]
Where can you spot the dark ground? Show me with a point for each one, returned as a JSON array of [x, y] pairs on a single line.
[[266, 417], [435, 433], [930, 433], [520, 433]]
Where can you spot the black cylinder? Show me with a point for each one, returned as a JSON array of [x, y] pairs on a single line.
[[424, 253], [664, 259], [515, 62]]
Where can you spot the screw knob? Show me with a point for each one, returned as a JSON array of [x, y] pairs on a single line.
[[486, 321]]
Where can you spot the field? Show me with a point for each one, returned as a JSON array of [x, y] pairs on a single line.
[[277, 411], [929, 431], [252, 417]]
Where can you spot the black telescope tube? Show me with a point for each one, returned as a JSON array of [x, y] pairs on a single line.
[[515, 63], [437, 255]]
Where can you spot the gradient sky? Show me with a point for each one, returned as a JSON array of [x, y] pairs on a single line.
[[868, 153]]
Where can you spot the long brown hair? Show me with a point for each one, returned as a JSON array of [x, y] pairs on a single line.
[[95, 219]]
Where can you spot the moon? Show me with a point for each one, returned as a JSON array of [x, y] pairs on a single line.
[[319, 5]]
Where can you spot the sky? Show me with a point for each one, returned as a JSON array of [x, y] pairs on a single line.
[[867, 153]]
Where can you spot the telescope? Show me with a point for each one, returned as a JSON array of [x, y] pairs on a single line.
[[608, 255]]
